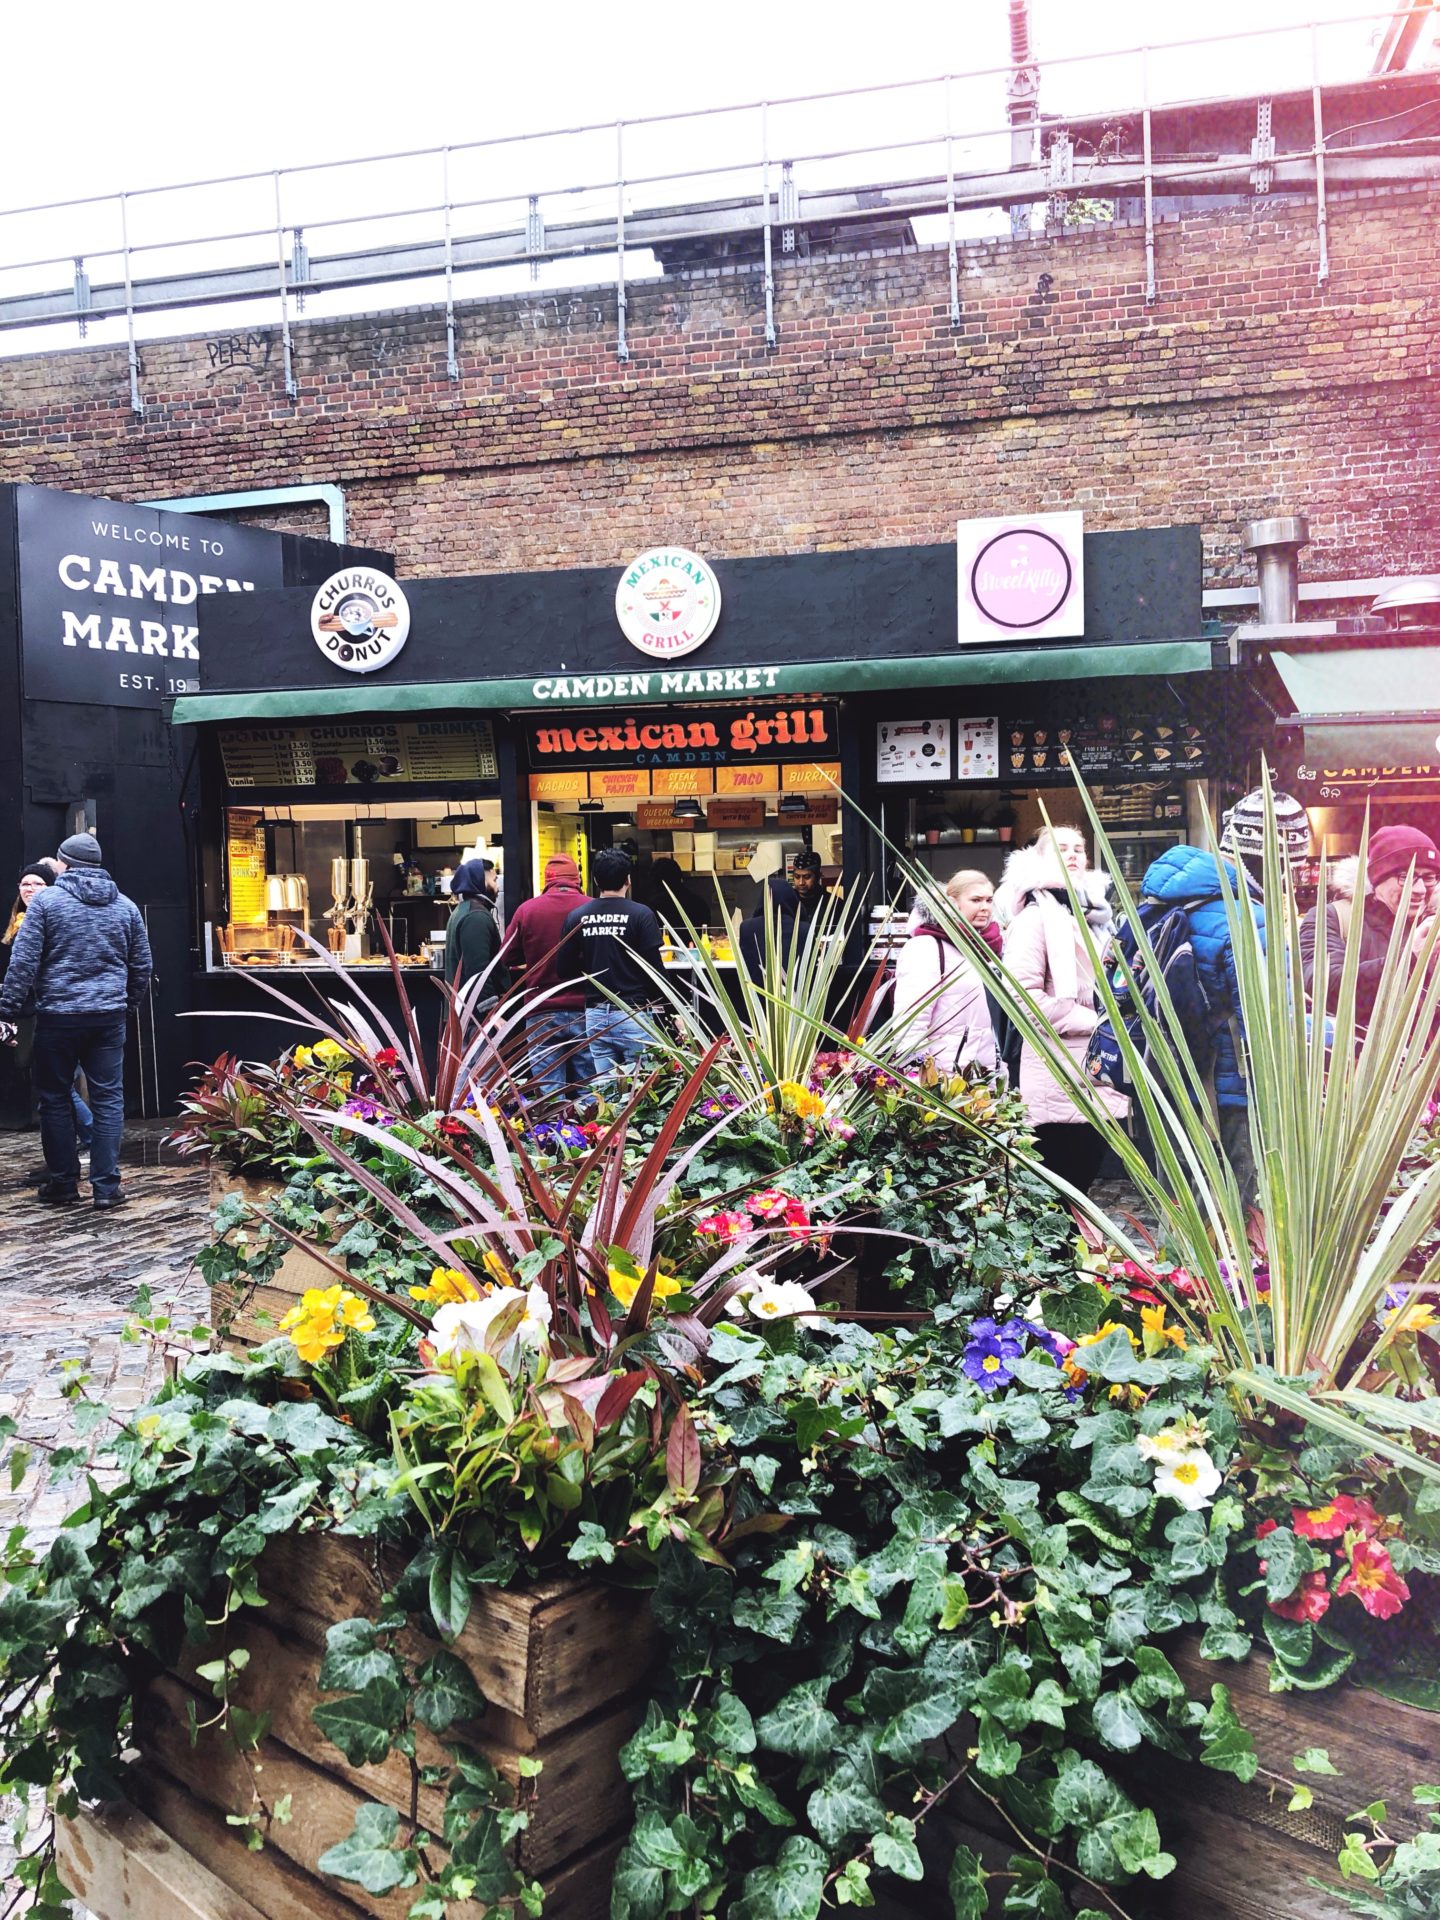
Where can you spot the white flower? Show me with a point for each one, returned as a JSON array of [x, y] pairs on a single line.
[[459, 1329], [1171, 1443], [782, 1300], [1190, 1477]]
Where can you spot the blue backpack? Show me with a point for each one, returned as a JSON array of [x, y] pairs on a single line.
[[1167, 927]]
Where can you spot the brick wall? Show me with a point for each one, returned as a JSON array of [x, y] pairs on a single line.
[[1244, 388]]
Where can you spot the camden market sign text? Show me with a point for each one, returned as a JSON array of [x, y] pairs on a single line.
[[688, 736]]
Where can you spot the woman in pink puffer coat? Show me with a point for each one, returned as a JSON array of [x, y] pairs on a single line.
[[1045, 954], [941, 1012]]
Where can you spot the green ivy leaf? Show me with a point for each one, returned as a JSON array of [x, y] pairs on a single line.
[[967, 1885], [998, 1757], [729, 1725], [793, 1889], [1225, 1743], [1118, 1721], [1315, 1760], [841, 1805], [363, 1725], [370, 1856], [352, 1658], [894, 1849], [446, 1692], [801, 1725]]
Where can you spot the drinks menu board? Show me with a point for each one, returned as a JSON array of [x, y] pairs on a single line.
[[359, 754]]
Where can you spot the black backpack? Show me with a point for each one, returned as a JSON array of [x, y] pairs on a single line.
[[1167, 927]]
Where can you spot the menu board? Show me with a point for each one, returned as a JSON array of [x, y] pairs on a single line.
[[364, 753], [913, 750], [1104, 746], [977, 749], [245, 859]]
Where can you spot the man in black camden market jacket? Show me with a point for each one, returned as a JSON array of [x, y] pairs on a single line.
[[83, 957], [610, 943]]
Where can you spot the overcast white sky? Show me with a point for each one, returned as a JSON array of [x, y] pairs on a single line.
[[102, 97]]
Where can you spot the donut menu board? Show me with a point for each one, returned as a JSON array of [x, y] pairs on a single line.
[[363, 754]]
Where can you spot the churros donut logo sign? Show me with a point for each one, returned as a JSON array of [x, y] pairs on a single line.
[[360, 619], [667, 602]]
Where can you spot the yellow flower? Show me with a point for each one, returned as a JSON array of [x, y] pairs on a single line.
[[446, 1284], [305, 1057], [497, 1269], [790, 1097], [1152, 1319], [625, 1285], [330, 1053], [1413, 1317], [1072, 1369], [321, 1320]]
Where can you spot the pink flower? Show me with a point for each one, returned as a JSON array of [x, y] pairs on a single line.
[[1337, 1516], [727, 1228], [1310, 1601], [769, 1202], [1373, 1580]]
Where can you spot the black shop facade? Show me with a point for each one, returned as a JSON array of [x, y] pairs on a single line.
[[354, 742]]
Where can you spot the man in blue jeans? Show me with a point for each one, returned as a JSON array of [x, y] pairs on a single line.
[[609, 943], [83, 957]]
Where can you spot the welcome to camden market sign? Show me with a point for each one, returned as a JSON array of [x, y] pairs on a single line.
[[108, 595]]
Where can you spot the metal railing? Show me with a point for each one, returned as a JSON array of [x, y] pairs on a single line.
[[471, 214]]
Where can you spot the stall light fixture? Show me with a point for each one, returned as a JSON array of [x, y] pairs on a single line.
[[592, 806], [791, 803], [689, 809]]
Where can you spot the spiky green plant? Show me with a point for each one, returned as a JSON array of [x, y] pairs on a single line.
[[1332, 1110]]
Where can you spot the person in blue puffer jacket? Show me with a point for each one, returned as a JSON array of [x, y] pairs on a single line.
[[1189, 877]]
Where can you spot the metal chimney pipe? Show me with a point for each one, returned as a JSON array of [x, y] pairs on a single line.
[[1276, 545]]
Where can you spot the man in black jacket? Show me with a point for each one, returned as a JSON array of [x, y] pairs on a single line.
[[610, 943], [1402, 865], [83, 957]]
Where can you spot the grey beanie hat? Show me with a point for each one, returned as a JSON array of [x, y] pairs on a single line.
[[81, 850]]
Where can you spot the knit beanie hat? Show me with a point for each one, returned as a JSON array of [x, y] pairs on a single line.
[[1243, 831], [81, 850], [38, 872], [1393, 849], [562, 869]]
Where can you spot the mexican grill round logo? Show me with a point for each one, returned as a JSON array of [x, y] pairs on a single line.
[[360, 619], [667, 602]]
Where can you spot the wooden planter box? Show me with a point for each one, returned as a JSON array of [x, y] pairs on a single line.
[[248, 1316], [561, 1666], [1240, 1854]]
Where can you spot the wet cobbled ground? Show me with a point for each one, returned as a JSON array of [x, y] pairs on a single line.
[[69, 1277]]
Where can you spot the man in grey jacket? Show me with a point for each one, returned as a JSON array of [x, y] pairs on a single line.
[[83, 957]]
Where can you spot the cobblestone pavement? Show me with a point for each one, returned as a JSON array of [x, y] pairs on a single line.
[[68, 1279]]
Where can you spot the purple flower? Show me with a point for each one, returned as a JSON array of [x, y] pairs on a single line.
[[555, 1136], [359, 1108], [990, 1356]]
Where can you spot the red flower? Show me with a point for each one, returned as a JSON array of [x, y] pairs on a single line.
[[1265, 1526], [769, 1202], [387, 1057], [1144, 1296], [1373, 1580], [797, 1220], [1180, 1282], [1336, 1516], [456, 1129], [1310, 1601]]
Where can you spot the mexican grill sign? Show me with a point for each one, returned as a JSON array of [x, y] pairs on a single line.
[[108, 594]]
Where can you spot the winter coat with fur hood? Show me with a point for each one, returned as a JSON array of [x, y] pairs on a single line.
[[1045, 954]]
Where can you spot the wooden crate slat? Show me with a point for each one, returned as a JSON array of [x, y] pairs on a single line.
[[279, 1889], [1382, 1747], [122, 1866], [580, 1793], [548, 1654], [324, 1807]]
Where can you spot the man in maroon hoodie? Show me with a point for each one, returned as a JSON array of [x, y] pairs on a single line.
[[559, 1056]]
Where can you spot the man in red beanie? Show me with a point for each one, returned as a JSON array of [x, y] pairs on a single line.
[[555, 1022], [1402, 866]]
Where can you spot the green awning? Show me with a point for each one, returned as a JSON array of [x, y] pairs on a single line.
[[1373, 706], [964, 668]]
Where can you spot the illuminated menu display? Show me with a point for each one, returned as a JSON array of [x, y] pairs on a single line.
[[366, 753]]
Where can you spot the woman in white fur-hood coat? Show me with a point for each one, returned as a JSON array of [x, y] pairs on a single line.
[[1045, 953]]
